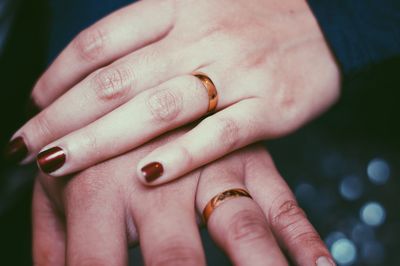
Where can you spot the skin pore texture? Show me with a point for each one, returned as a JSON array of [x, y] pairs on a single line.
[[127, 80], [92, 217], [119, 87]]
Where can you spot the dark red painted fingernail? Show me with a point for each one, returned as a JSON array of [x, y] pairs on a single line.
[[152, 171], [16, 150], [51, 159]]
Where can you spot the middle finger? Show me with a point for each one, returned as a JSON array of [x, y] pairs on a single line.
[[170, 236]]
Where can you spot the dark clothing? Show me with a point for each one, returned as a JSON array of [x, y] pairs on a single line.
[[69, 17], [361, 33], [364, 36]]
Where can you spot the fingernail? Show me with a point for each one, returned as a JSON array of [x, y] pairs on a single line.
[[51, 159], [324, 261], [16, 150], [152, 171]]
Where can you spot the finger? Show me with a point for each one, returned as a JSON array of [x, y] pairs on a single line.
[[102, 92], [169, 236], [103, 43], [214, 137], [237, 225], [288, 222], [95, 217], [170, 105], [48, 240]]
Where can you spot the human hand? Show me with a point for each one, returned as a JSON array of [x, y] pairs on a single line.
[[92, 218], [268, 60]]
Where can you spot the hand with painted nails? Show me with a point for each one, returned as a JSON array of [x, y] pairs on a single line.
[[257, 69], [92, 218]]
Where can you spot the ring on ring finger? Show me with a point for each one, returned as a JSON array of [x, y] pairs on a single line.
[[222, 197]]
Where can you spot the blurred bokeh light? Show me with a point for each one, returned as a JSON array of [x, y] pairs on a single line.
[[373, 214], [344, 251], [378, 171], [351, 187]]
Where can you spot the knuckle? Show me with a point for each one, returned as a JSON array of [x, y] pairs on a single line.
[[310, 238], [288, 116], [113, 83], [175, 255], [90, 44], [214, 31], [191, 82], [290, 222], [287, 216], [285, 211], [227, 133], [287, 104], [188, 159], [219, 28], [247, 226], [36, 104], [164, 105], [87, 188], [41, 88], [43, 126]]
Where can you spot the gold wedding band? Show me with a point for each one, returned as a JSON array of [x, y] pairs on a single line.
[[222, 197], [211, 91]]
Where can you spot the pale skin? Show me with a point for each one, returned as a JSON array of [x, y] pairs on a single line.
[[116, 87], [91, 218]]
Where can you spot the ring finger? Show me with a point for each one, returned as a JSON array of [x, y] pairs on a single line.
[[237, 225]]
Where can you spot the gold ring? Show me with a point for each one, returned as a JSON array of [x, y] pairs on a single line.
[[222, 197], [211, 91]]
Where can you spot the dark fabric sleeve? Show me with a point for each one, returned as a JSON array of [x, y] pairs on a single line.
[[361, 33]]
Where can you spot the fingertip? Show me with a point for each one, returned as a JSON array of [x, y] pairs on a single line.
[[49, 160], [165, 164], [154, 172], [16, 150], [31, 108], [325, 261], [151, 172]]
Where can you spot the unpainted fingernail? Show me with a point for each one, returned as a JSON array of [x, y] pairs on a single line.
[[51, 159], [152, 171], [16, 150], [324, 261]]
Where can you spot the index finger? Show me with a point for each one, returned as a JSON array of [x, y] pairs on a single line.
[[95, 220], [110, 38]]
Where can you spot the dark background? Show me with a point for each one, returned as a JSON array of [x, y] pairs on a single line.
[[336, 166]]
